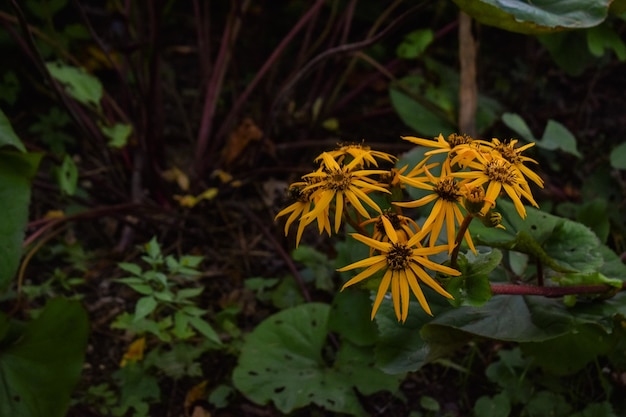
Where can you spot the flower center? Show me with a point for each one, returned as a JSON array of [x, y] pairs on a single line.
[[476, 195], [509, 153], [448, 189], [501, 170], [338, 180], [393, 218], [455, 140], [297, 194], [399, 256]]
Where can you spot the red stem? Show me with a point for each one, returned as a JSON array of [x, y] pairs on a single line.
[[513, 289], [214, 86], [266, 66]]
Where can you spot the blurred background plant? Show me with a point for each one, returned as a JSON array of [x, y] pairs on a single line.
[[185, 121]]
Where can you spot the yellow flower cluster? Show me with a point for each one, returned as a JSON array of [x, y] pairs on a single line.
[[466, 185]]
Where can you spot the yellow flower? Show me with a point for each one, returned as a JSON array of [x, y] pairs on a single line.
[[447, 198], [508, 151], [299, 208], [344, 184], [399, 227], [403, 263], [358, 152], [460, 147], [499, 174]]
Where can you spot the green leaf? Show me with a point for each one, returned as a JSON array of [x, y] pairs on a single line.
[[221, 396], [538, 16], [141, 288], [557, 136], [593, 214], [548, 404], [587, 278], [618, 156], [561, 244], [516, 123], [164, 295], [191, 261], [472, 286], [8, 137], [138, 389], [320, 268], [604, 37], [118, 134], [415, 43], [39, 370], [612, 266], [497, 406], [281, 361], [177, 361], [9, 88], [79, 84], [205, 329], [597, 410], [67, 175], [144, 306], [129, 267], [507, 317], [568, 52], [400, 346], [508, 373], [153, 250], [193, 310], [571, 352], [287, 294], [416, 110], [181, 328], [350, 313], [188, 293], [16, 171], [429, 104], [429, 403]]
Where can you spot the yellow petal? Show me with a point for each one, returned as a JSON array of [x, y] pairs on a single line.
[[395, 294], [391, 232], [365, 274], [418, 293], [382, 290], [363, 263]]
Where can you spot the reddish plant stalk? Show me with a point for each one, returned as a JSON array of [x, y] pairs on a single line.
[[266, 66], [515, 289], [214, 85]]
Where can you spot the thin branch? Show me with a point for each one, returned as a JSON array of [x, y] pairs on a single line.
[[214, 85], [341, 49], [266, 66]]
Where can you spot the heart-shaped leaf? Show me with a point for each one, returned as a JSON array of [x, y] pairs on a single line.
[[282, 361]]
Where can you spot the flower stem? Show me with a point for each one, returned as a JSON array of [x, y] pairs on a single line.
[[459, 238]]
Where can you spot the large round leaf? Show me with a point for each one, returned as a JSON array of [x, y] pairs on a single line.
[[558, 243], [538, 16], [282, 361]]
